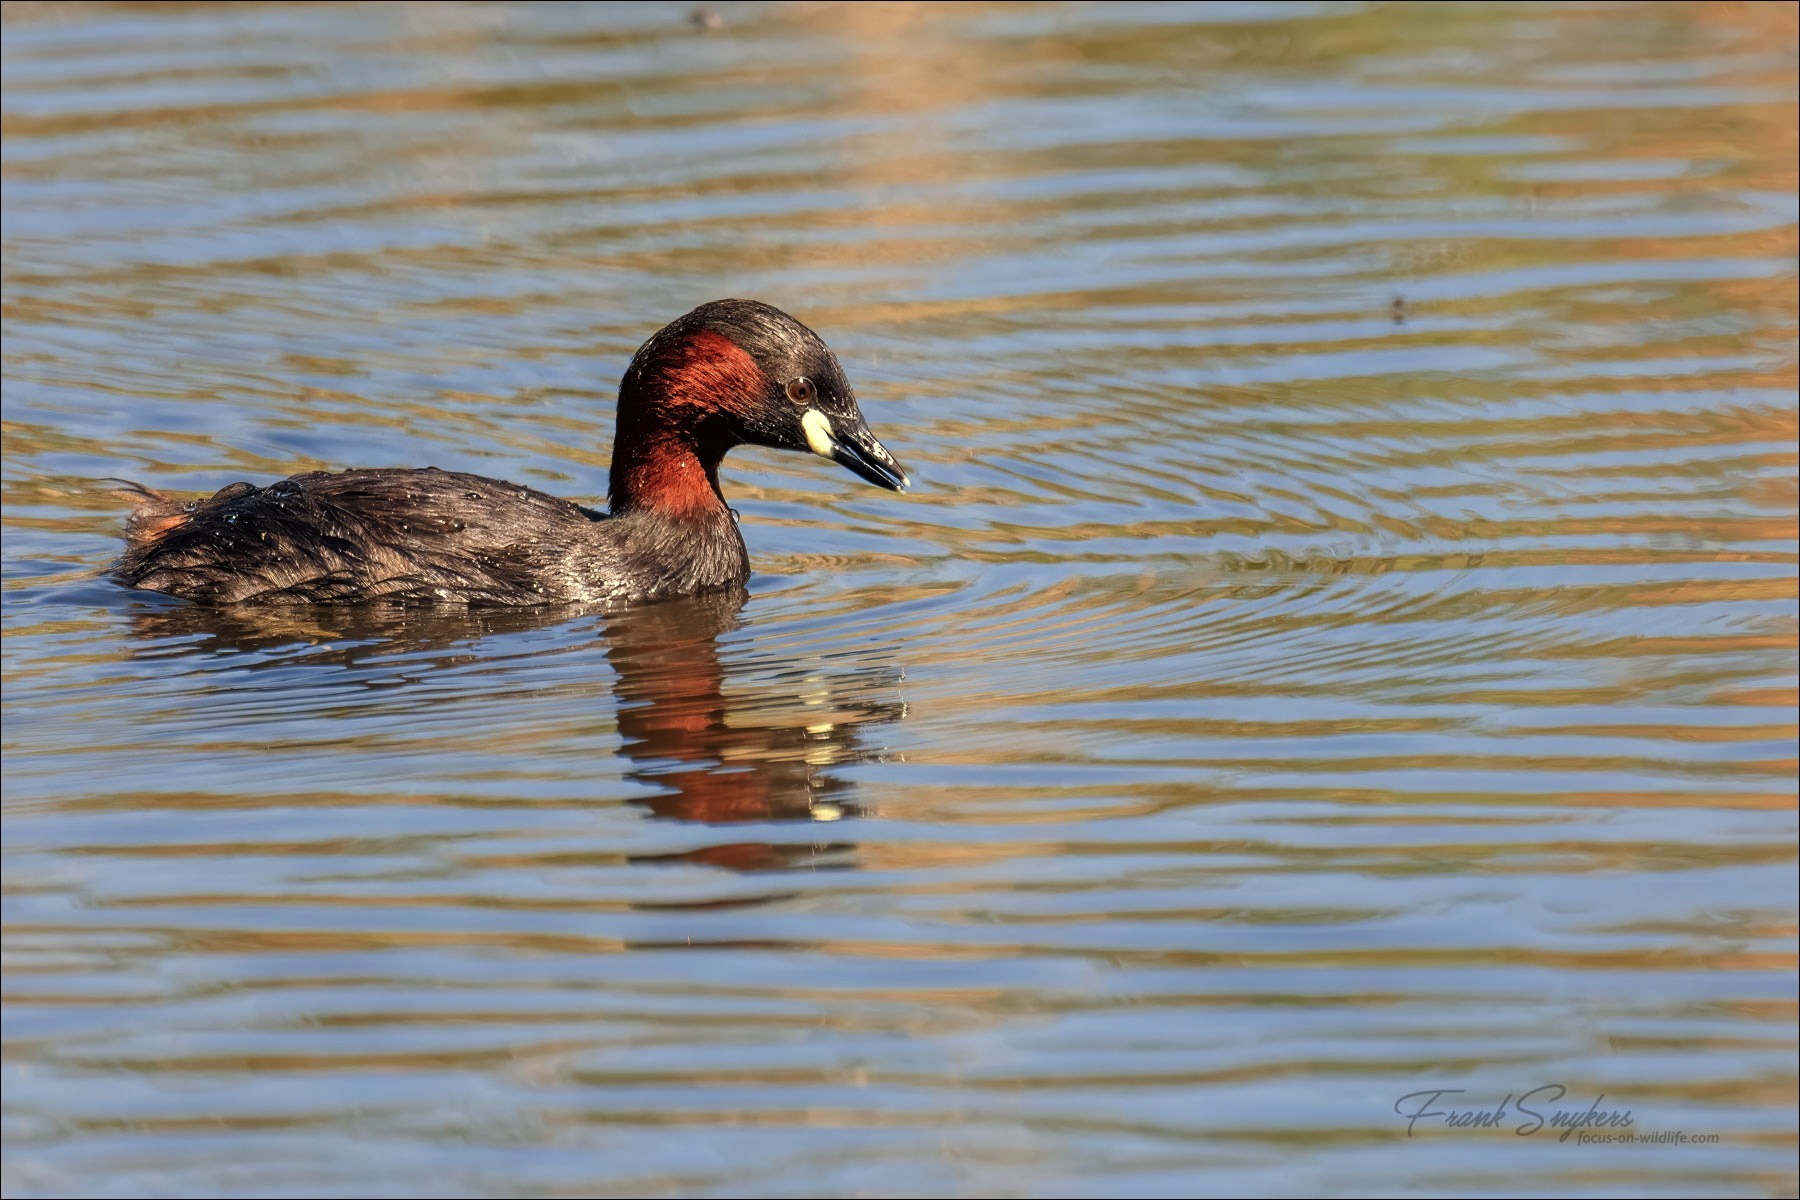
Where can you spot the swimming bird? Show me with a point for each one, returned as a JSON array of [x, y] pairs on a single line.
[[729, 373]]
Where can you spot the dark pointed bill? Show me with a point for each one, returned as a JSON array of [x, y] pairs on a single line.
[[848, 442]]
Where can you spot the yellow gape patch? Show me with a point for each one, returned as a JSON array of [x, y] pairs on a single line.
[[818, 432]]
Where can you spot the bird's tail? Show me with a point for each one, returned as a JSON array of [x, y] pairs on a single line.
[[153, 513]]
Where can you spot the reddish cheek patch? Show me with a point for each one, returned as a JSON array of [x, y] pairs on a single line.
[[709, 371]]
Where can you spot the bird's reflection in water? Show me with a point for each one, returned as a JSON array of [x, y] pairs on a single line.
[[721, 738], [746, 745]]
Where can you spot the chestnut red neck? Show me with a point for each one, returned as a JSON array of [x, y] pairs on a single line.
[[680, 408], [666, 475]]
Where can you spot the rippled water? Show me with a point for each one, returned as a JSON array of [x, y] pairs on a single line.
[[1342, 646]]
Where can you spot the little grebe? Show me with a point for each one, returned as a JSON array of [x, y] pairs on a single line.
[[730, 372]]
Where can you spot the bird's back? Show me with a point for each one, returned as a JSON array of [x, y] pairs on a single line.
[[404, 536]]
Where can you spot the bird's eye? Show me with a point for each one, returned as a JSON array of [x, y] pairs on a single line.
[[801, 391]]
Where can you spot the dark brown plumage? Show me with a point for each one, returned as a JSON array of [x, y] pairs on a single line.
[[730, 372]]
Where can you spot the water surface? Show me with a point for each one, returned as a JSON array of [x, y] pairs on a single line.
[[1342, 644]]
